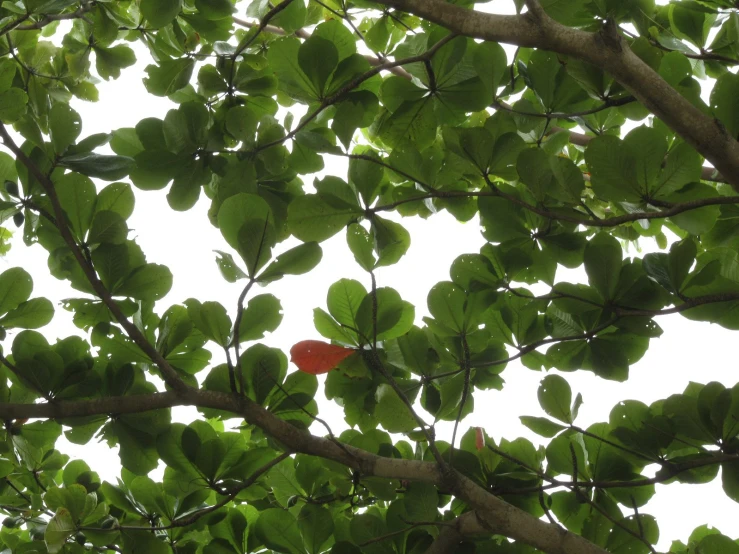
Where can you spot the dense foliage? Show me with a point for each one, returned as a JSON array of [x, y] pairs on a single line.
[[432, 114]]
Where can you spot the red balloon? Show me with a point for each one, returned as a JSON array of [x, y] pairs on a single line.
[[315, 356]]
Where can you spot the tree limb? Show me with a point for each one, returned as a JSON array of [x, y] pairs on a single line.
[[495, 514], [605, 49]]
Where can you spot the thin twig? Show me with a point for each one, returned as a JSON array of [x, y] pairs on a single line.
[[344, 90], [168, 373], [192, 518]]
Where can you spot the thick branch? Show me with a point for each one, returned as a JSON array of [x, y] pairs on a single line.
[[605, 49], [495, 515], [111, 406]]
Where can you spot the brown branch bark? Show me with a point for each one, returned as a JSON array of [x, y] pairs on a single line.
[[605, 49], [111, 406], [495, 515]]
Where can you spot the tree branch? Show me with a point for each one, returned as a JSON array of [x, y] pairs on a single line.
[[605, 49], [79, 13], [109, 405], [302, 33], [17, 25], [354, 83], [495, 514], [169, 374], [193, 517]]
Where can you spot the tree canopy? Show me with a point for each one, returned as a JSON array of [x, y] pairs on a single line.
[[607, 123]]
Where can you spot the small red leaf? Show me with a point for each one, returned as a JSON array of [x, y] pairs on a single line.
[[479, 438], [315, 356]]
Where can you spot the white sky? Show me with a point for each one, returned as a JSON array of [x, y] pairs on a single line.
[[687, 351]]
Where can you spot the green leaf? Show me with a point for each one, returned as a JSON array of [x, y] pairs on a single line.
[[365, 527], [211, 319], [254, 243], [344, 299], [391, 411], [313, 219], [159, 13], [393, 317], [632, 533], [316, 526], [65, 126], [296, 261], [226, 264], [365, 174], [214, 9], [689, 24], [328, 327], [490, 63], [7, 73], [723, 103], [125, 142], [144, 541], [542, 426], [415, 122], [170, 75], [282, 58], [391, 241], [317, 57], [421, 502], [699, 221], [73, 497], [730, 480], [110, 61], [148, 282], [611, 170], [118, 198], [12, 105], [671, 270], [292, 17], [263, 314], [717, 544], [603, 258], [246, 223], [32, 314], [58, 530], [107, 227], [555, 397], [361, 244], [278, 530], [242, 123], [108, 168], [446, 304], [15, 287], [77, 197], [542, 71]]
